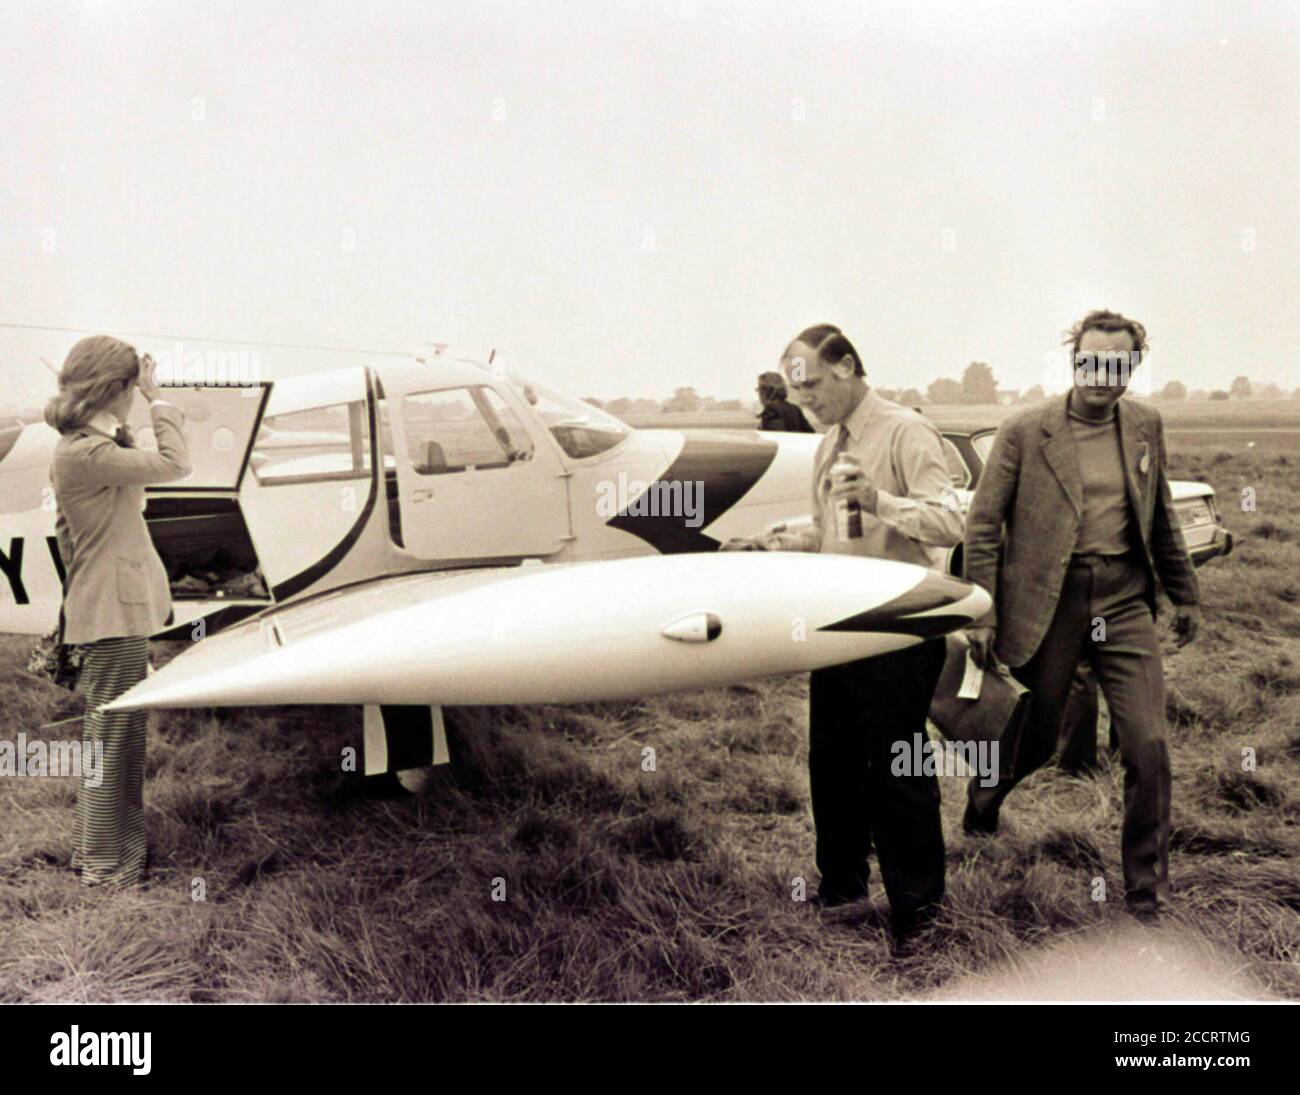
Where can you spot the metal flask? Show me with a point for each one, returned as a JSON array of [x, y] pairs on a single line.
[[848, 511]]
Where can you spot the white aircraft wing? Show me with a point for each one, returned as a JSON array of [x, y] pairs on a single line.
[[565, 633]]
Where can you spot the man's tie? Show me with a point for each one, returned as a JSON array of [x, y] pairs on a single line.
[[841, 443]]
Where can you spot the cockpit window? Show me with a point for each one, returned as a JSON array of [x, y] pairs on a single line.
[[580, 429], [320, 443], [462, 429]]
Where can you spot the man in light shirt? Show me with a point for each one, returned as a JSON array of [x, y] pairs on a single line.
[[858, 711]]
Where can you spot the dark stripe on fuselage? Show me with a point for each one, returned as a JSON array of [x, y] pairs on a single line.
[[899, 616], [726, 464]]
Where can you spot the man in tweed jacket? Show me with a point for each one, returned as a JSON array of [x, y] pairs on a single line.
[[1078, 483]]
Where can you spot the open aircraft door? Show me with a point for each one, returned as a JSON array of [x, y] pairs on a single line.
[[478, 478], [196, 523]]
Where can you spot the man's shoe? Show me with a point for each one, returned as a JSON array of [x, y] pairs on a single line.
[[837, 900], [973, 823], [907, 926], [1147, 909]]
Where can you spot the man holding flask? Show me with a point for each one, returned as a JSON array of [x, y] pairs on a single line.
[[881, 489]]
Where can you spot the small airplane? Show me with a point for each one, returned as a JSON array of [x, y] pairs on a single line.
[[404, 535]]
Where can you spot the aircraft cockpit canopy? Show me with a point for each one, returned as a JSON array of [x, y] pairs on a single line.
[[579, 428]]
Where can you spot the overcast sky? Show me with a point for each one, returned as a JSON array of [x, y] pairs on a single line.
[[626, 197]]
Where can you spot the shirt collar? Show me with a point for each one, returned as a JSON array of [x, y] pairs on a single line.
[[862, 414], [104, 423]]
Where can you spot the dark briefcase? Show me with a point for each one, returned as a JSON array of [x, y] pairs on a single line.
[[997, 713]]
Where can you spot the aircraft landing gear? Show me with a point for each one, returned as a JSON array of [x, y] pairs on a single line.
[[414, 738]]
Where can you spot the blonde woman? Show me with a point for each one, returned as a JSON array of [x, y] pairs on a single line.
[[116, 593]]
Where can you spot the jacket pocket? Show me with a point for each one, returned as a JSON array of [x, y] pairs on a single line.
[[132, 582]]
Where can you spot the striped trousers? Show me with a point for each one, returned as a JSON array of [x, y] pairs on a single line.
[[109, 841]]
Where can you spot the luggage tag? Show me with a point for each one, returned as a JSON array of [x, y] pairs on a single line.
[[972, 680]]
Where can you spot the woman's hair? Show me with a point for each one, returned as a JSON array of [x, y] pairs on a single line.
[[97, 370]]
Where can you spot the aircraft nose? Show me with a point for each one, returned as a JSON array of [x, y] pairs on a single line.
[[936, 605]]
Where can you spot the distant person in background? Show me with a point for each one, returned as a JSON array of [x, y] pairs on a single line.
[[116, 593], [778, 412], [1079, 485]]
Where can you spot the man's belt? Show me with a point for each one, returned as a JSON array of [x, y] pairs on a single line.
[[1096, 558]]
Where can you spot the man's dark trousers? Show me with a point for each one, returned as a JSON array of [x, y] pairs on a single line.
[[1077, 742], [1104, 615], [857, 713]]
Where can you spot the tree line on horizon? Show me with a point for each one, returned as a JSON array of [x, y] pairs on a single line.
[[977, 387]]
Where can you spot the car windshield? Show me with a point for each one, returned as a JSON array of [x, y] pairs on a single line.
[[580, 429]]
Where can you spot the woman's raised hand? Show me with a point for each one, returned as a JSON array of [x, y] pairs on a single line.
[[148, 387]]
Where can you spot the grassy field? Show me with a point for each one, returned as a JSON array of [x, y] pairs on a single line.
[[674, 884]]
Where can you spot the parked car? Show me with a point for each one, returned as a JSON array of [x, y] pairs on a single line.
[[967, 446]]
